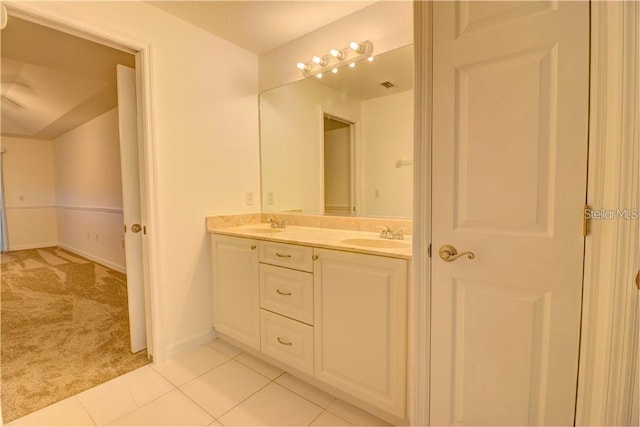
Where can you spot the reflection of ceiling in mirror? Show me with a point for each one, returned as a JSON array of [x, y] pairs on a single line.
[[364, 80]]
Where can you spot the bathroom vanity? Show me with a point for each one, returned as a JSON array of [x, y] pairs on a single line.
[[327, 305]]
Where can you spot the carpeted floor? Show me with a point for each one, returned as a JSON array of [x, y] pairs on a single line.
[[64, 327]]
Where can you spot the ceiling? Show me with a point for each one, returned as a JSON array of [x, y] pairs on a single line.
[[53, 82], [261, 26]]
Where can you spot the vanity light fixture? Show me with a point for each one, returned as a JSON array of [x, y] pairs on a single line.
[[337, 58], [319, 60], [357, 47], [336, 53]]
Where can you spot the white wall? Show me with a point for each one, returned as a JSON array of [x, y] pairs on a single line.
[[88, 190], [291, 133], [388, 24], [387, 136], [29, 192], [204, 121]]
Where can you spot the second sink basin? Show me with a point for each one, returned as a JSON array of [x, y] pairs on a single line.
[[376, 243]]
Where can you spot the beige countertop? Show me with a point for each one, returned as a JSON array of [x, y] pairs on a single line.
[[328, 238]]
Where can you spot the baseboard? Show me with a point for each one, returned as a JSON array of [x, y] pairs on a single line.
[[33, 246], [122, 269], [189, 343]]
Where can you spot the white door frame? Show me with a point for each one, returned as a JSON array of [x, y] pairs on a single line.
[[142, 51], [610, 306]]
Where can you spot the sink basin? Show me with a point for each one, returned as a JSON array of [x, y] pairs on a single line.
[[263, 230], [377, 243]]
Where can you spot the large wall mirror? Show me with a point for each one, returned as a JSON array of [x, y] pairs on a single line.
[[341, 144]]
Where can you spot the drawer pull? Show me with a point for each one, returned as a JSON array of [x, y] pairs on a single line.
[[284, 342], [283, 293], [283, 255], [253, 247]]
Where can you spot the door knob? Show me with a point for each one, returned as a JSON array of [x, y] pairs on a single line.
[[136, 228], [448, 253]]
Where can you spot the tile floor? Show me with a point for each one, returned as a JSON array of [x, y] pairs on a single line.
[[215, 384]]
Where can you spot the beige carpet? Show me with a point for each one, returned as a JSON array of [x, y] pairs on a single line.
[[64, 327]]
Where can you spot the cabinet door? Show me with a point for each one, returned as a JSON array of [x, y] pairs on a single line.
[[360, 319], [236, 289]]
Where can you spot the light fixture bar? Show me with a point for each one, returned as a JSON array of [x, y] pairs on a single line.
[[337, 58]]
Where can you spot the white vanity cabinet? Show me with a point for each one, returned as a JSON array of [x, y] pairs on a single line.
[[360, 326], [236, 288], [339, 317]]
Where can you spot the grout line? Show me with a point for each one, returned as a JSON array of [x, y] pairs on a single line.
[[198, 405], [242, 401], [95, 423], [304, 397]]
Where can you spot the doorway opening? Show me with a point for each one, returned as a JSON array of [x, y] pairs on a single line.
[[338, 146], [65, 272]]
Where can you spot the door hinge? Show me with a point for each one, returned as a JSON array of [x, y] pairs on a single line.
[[125, 228], [586, 220], [429, 250]]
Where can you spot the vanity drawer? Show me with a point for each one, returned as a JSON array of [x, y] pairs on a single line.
[[287, 292], [285, 255], [287, 340]]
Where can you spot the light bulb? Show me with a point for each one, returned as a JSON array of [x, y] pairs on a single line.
[[370, 59], [319, 75], [334, 71], [356, 47], [303, 66], [336, 53], [352, 65], [318, 60]]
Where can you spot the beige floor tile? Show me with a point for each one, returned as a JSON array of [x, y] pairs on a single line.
[[305, 390], [190, 364], [224, 387], [328, 419], [272, 406], [355, 416], [68, 412], [108, 401], [260, 366], [172, 409], [146, 385], [226, 348]]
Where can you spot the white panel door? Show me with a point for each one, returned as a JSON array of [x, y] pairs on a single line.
[[510, 104], [128, 126]]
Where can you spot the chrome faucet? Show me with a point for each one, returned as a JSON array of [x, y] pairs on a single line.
[[387, 233], [276, 224]]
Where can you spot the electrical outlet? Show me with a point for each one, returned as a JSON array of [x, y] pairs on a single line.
[[269, 197], [248, 196], [376, 194]]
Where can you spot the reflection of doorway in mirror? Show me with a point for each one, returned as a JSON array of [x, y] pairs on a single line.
[[338, 173]]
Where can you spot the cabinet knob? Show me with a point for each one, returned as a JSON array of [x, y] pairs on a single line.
[[253, 247], [315, 257]]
